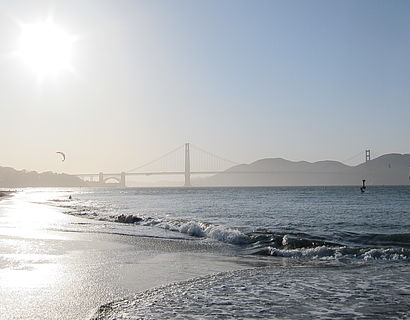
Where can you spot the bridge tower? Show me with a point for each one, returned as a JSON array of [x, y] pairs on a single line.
[[367, 155], [122, 180], [101, 178], [187, 166]]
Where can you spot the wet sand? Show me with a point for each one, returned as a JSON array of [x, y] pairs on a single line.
[[52, 267]]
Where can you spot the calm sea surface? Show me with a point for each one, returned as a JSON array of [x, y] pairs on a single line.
[[343, 254]]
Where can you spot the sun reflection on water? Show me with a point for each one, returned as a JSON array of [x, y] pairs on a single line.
[[31, 275], [27, 218], [28, 250]]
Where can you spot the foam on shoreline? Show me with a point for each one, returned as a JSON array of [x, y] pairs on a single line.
[[352, 246], [319, 292]]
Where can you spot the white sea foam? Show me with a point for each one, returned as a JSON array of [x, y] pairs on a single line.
[[289, 244], [200, 229], [193, 229], [330, 253], [304, 292], [385, 254], [312, 253], [285, 240], [226, 235]]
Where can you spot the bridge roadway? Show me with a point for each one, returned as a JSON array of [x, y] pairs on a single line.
[[120, 177], [159, 173], [82, 175], [181, 172]]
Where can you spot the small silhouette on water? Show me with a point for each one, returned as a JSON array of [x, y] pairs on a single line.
[[363, 187], [69, 198]]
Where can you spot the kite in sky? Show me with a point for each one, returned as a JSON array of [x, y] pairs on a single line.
[[62, 155]]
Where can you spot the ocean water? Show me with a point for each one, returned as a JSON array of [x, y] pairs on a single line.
[[328, 252]]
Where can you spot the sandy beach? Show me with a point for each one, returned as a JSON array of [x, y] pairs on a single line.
[[51, 268]]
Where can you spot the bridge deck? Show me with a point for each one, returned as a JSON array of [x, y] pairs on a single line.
[[198, 172]]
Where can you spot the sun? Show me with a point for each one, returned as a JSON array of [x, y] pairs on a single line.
[[45, 48]]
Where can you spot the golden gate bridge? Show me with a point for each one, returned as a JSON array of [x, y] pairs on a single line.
[[186, 160]]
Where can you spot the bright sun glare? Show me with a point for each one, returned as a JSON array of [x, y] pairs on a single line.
[[45, 48]]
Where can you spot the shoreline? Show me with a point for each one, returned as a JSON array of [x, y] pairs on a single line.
[[51, 261], [55, 265]]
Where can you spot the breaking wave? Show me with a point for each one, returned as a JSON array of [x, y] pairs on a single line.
[[345, 245], [332, 253], [301, 245]]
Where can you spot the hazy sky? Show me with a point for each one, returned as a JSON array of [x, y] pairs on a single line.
[[302, 80]]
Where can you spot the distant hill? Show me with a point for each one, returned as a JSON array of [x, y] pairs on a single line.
[[389, 169], [11, 178]]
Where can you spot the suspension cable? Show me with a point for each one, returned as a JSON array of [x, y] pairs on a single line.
[[160, 158], [212, 154], [353, 157]]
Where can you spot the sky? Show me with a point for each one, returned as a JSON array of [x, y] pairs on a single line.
[[300, 80]]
